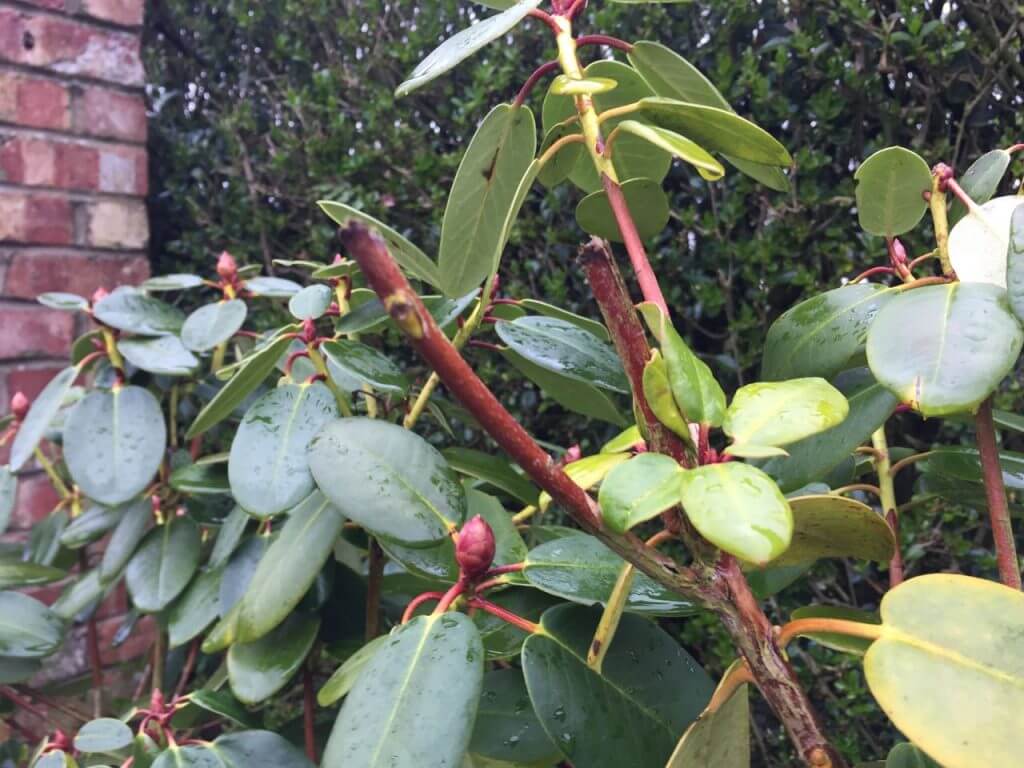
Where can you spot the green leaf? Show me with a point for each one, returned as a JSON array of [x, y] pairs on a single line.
[[944, 348], [175, 282], [259, 669], [773, 414], [225, 705], [163, 355], [649, 689], [460, 47], [564, 348], [624, 441], [56, 758], [200, 480], [129, 309], [890, 184], [587, 472], [18, 574], [44, 541], [345, 676], [82, 595], [249, 376], [228, 537], [135, 521], [353, 364], [164, 564], [719, 739], [696, 392], [258, 749], [563, 85], [429, 673], [482, 195], [821, 336], [18, 670], [571, 394], [1015, 265], [103, 735], [196, 609], [213, 324], [506, 726], [289, 567], [646, 201], [979, 243], [677, 146], [557, 168], [387, 479], [964, 465], [948, 639], [981, 181], [493, 470], [658, 393], [409, 257], [550, 310], [836, 526], [267, 468], [238, 574], [582, 569], [8, 494], [272, 287], [503, 640], [114, 443], [89, 526], [311, 302], [641, 489], [28, 629], [738, 508], [908, 756], [66, 302], [835, 640], [39, 417]]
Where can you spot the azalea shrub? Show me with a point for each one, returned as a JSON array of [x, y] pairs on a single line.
[[337, 579]]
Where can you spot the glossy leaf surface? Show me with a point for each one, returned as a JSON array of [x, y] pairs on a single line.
[[352, 365], [28, 629], [506, 726], [272, 287], [978, 243], [641, 489], [19, 573], [835, 640], [718, 740], [129, 309], [647, 204], [658, 392], [491, 469], [164, 564], [836, 526], [311, 302], [1015, 264], [8, 493], [136, 520], [981, 180], [889, 187], [39, 417], [162, 355], [213, 324], [345, 676], [103, 735], [259, 669], [678, 146], [196, 609]]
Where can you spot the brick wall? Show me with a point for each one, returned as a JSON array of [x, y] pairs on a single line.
[[73, 178]]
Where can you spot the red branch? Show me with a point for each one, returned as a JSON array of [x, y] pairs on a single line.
[[506, 616], [995, 492], [532, 80], [634, 247], [547, 18], [611, 42]]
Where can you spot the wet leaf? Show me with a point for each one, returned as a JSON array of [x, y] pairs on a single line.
[[213, 324], [1015, 263], [718, 740], [352, 365], [136, 519], [164, 564], [506, 726], [103, 735], [259, 669], [677, 146], [646, 201], [980, 181], [272, 287], [890, 184], [163, 355], [195, 610], [493, 470], [129, 309], [15, 574], [641, 489], [8, 494]]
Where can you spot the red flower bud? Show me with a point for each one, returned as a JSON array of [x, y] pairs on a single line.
[[897, 253], [227, 267], [19, 406], [308, 331], [99, 294], [474, 551]]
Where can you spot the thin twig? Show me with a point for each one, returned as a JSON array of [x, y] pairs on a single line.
[[995, 492]]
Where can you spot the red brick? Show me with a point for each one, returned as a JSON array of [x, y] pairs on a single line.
[[36, 499], [78, 166], [110, 114], [31, 331], [35, 218], [139, 641], [34, 102], [29, 274], [127, 13], [29, 380], [28, 161], [116, 224], [53, 5]]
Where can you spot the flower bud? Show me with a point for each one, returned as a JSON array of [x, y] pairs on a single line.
[[19, 406], [99, 295], [227, 267], [474, 551]]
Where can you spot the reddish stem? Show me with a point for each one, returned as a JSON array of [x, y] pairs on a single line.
[[896, 563], [872, 272], [292, 358], [478, 344], [575, 9], [962, 196], [417, 601], [506, 616], [190, 665], [634, 247], [308, 711], [22, 703], [995, 491], [1014, 148], [531, 82], [547, 18], [611, 42], [450, 596], [513, 568]]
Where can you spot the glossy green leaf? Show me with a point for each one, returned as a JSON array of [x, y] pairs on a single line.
[[948, 639], [582, 569], [28, 629], [174, 282], [658, 393], [200, 480], [267, 469], [66, 302], [40, 416], [717, 740], [89, 526], [836, 526], [196, 609], [978, 244], [557, 168], [272, 287], [964, 464], [114, 443], [624, 441], [649, 689], [908, 756], [311, 302], [944, 348], [506, 726], [738, 508], [8, 494], [162, 355], [677, 146], [345, 676], [889, 191], [228, 537], [835, 640], [562, 347], [570, 393], [822, 335], [387, 479], [550, 310], [251, 374], [238, 573], [493, 470], [15, 574], [56, 758], [103, 735], [129, 309], [981, 180], [44, 541], [213, 324], [136, 519], [81, 596], [641, 489], [1015, 263], [563, 85], [482, 194], [259, 669], [225, 705], [587, 472], [163, 565], [353, 364], [289, 567], [430, 673], [461, 46], [187, 757], [773, 414], [409, 257], [646, 201], [696, 392], [258, 749]]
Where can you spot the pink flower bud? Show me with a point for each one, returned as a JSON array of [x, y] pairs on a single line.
[[227, 267], [474, 551], [19, 406], [897, 252], [99, 295], [308, 331]]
